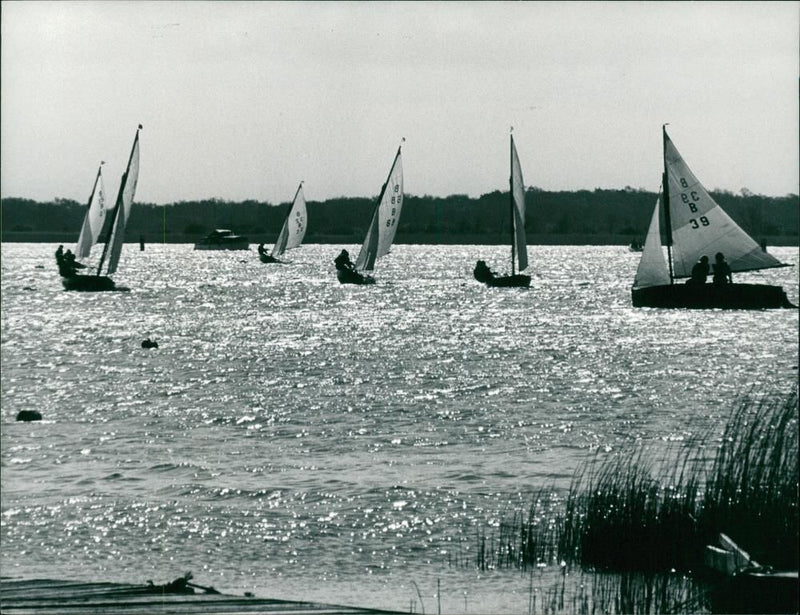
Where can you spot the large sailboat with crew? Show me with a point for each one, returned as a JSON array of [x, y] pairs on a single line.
[[96, 217], [697, 229], [519, 246], [381, 232]]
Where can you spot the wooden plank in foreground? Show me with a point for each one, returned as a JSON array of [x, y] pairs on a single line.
[[52, 597]]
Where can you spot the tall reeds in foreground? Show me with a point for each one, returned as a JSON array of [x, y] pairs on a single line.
[[751, 492], [631, 514], [637, 514]]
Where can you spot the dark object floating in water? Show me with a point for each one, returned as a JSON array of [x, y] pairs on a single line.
[[148, 343], [39, 267], [746, 586], [28, 288], [29, 415]]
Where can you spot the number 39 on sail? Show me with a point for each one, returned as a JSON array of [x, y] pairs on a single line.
[[698, 231]]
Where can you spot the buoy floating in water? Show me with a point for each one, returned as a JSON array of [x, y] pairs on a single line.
[[29, 415]]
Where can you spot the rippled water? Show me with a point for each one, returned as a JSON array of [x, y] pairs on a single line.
[[301, 439]]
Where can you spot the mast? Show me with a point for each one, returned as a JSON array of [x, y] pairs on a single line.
[[511, 203], [667, 220], [118, 202]]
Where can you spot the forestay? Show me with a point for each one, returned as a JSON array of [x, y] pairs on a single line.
[[383, 227], [518, 195], [700, 227], [653, 270], [94, 219], [124, 202], [294, 228]]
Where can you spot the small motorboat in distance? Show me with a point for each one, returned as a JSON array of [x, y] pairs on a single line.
[[223, 239]]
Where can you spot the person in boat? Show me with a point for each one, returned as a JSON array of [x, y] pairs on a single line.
[[66, 262], [722, 271], [482, 272], [261, 250], [343, 262], [700, 271]]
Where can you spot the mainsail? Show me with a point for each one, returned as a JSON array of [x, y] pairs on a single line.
[[652, 269], [383, 227], [700, 227], [518, 206], [127, 189], [294, 228], [94, 219]]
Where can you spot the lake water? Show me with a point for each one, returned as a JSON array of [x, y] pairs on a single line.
[[301, 439]]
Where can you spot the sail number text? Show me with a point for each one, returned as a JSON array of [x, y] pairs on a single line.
[[396, 200], [691, 199]]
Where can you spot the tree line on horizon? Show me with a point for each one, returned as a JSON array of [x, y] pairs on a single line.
[[621, 213]]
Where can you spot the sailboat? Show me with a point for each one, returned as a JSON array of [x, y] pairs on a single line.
[[696, 227], [381, 231], [119, 218], [293, 231], [519, 249]]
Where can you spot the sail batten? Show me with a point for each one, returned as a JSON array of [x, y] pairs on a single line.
[[294, 227], [385, 217]]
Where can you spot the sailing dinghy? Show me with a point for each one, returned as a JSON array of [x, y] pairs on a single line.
[[381, 231], [93, 223], [697, 226], [293, 231], [519, 249]]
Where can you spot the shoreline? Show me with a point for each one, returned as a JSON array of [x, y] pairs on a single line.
[[572, 239]]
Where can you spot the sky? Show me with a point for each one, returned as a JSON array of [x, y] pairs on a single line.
[[243, 100]]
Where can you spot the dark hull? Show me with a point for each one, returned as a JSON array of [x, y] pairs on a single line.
[[89, 283], [266, 258], [708, 296], [353, 277], [510, 281]]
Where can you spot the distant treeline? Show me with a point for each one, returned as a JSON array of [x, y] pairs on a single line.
[[583, 216]]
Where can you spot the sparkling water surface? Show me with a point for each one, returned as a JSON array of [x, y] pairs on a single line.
[[301, 439]]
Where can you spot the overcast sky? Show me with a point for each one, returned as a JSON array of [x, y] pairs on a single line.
[[242, 100]]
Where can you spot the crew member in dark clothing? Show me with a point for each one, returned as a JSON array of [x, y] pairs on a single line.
[[722, 271], [343, 262], [700, 271]]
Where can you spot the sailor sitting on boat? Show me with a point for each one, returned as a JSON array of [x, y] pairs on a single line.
[[66, 262], [343, 262], [482, 272], [699, 272], [722, 271]]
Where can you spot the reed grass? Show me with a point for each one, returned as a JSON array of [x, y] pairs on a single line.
[[634, 513]]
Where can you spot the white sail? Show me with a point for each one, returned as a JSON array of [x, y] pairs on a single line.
[[94, 219], [518, 195], [383, 227], [294, 228], [653, 270], [700, 227], [124, 201]]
